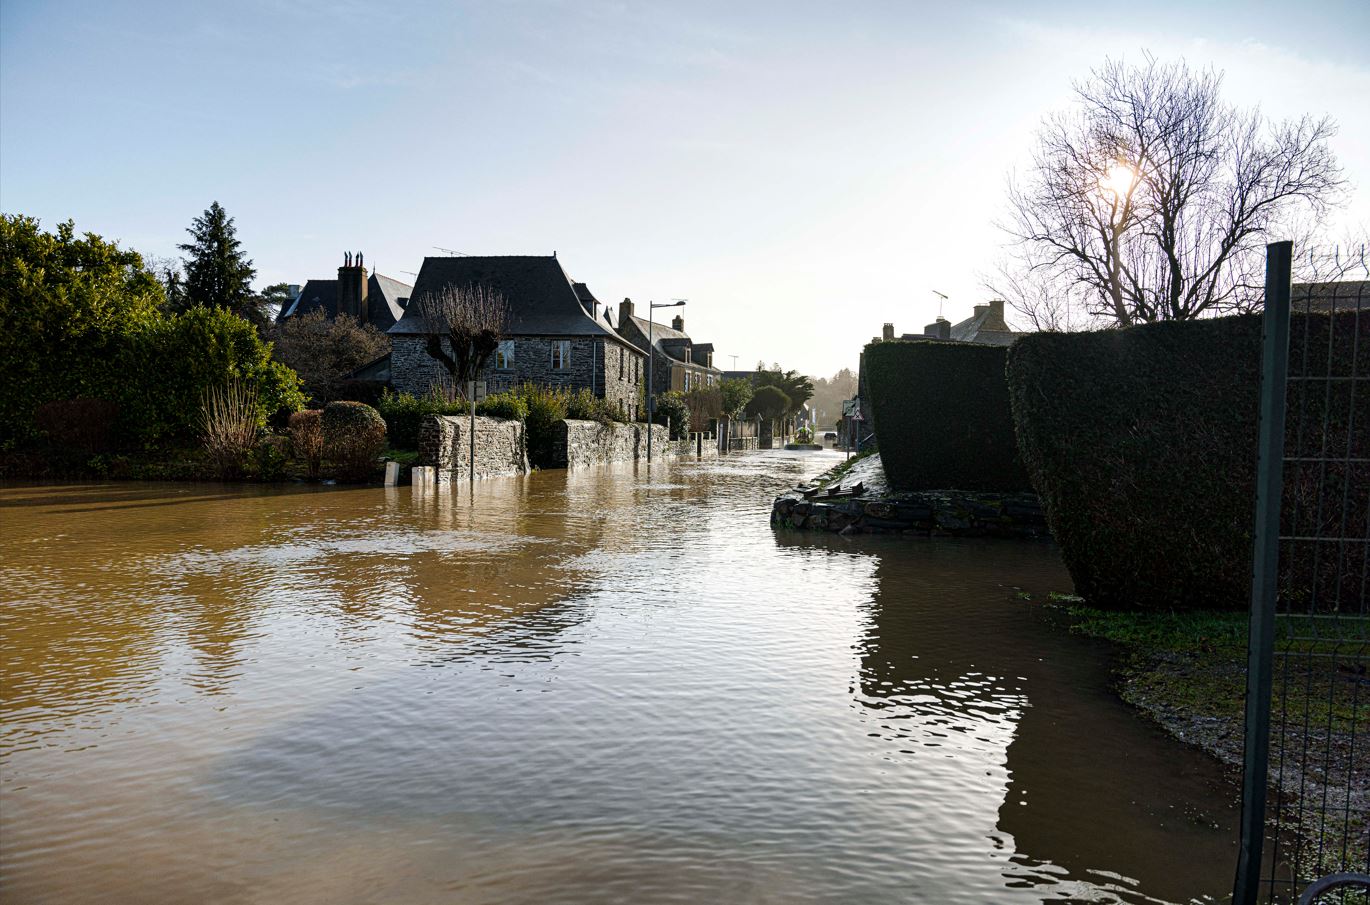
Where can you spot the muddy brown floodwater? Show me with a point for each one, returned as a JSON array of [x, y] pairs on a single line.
[[609, 686]]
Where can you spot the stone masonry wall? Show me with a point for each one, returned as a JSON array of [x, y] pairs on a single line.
[[579, 444], [444, 441]]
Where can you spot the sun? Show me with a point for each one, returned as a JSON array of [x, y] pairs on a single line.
[[1119, 180]]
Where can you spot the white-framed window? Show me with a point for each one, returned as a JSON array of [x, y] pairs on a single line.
[[504, 355], [561, 354], [687, 381]]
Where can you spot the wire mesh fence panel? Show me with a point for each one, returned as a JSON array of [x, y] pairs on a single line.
[[1312, 680]]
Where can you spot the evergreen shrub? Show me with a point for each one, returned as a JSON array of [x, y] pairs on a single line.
[[353, 438], [941, 413], [404, 414], [77, 426], [1142, 444]]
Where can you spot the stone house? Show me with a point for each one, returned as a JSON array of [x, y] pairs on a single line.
[[559, 335], [986, 325], [373, 299], [678, 362]]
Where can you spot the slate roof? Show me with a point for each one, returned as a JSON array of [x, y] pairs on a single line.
[[383, 296], [669, 341], [543, 301], [984, 327], [590, 303]]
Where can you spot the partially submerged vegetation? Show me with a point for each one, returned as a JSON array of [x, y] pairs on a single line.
[[1187, 671]]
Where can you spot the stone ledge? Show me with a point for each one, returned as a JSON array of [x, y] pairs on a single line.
[[933, 513]]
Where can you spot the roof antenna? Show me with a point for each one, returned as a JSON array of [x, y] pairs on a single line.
[[940, 299]]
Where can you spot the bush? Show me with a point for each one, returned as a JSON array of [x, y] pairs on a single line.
[[735, 393], [584, 405], [271, 456], [673, 411], [768, 402], [229, 426], [169, 366], [941, 412], [85, 319], [306, 438], [1142, 444], [405, 413], [69, 304], [77, 426], [503, 405], [353, 438], [546, 406]]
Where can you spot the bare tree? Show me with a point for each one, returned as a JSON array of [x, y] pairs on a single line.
[[1152, 199], [471, 320]]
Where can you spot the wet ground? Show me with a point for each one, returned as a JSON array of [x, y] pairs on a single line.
[[609, 686]]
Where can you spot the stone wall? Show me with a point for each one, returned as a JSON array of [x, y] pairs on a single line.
[[444, 442], [932, 513], [580, 444], [603, 365]]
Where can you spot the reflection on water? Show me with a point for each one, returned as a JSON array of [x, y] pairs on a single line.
[[613, 685]]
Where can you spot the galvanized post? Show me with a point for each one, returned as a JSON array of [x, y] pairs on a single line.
[[1265, 568]]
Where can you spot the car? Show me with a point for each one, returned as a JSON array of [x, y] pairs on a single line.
[[830, 435]]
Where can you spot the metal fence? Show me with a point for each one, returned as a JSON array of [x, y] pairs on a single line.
[[1305, 811]]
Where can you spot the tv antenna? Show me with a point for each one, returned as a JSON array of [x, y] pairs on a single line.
[[452, 251], [941, 297]]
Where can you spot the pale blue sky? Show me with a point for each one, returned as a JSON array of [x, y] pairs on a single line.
[[802, 172]]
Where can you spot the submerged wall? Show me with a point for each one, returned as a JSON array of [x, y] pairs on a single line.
[[445, 442], [580, 444]]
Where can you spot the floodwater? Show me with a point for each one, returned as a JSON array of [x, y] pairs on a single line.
[[617, 685]]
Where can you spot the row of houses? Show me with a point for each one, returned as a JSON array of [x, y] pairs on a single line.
[[559, 334]]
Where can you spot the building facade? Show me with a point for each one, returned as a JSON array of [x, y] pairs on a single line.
[[559, 335], [678, 362]]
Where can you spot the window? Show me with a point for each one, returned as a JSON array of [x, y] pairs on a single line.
[[621, 355], [561, 354], [504, 355], [687, 381]]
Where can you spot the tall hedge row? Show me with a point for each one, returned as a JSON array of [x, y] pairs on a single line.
[[1142, 444], [941, 415]]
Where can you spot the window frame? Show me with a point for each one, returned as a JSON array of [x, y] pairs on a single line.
[[505, 355], [561, 355]]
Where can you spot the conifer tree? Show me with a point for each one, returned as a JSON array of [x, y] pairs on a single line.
[[217, 273]]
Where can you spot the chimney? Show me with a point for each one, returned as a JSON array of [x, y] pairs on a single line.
[[625, 311], [995, 321], [352, 288], [887, 332], [938, 329], [678, 324]]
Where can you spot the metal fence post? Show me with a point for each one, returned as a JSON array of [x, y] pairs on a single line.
[[1265, 568]]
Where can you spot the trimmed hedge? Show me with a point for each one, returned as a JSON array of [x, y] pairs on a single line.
[[1142, 444], [941, 415], [353, 437]]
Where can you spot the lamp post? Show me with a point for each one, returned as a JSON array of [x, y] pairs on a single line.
[[651, 361]]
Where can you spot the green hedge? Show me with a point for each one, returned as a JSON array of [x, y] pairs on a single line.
[[941, 415], [1142, 445]]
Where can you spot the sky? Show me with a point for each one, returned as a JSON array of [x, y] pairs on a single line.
[[800, 172]]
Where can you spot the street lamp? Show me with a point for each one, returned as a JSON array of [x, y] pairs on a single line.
[[651, 360]]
